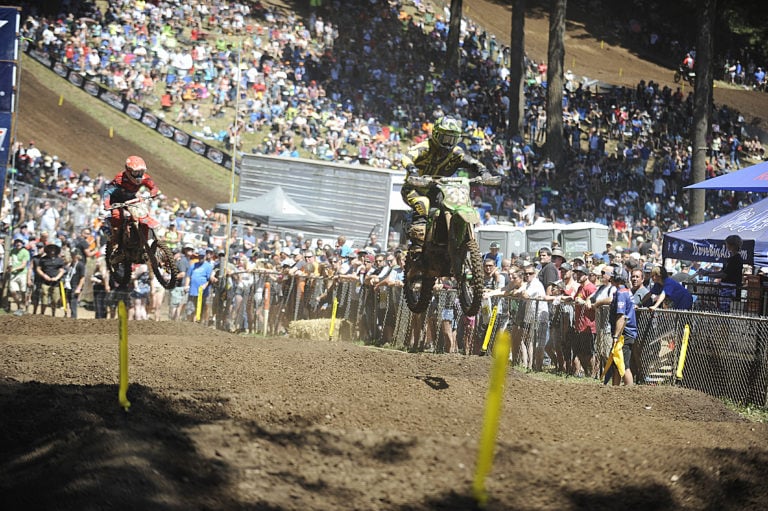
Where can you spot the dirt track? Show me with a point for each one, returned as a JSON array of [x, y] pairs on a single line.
[[225, 422]]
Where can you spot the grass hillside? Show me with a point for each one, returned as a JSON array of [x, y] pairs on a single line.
[[65, 121]]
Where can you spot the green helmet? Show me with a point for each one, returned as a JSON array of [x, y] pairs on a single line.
[[446, 132]]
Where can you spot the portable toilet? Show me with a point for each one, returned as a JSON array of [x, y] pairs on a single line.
[[541, 235], [510, 237], [580, 237]]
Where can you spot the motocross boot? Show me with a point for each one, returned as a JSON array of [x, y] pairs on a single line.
[[118, 252], [416, 233]]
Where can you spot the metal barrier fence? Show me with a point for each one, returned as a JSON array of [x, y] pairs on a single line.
[[721, 354]]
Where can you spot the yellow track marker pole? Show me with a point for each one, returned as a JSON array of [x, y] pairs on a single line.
[[199, 308], [111, 132], [333, 318], [122, 315], [61, 99], [267, 288], [490, 327], [683, 352], [491, 418], [63, 297]]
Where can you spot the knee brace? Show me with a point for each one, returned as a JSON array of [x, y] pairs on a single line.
[[418, 202]]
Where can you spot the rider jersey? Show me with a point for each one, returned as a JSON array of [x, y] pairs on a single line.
[[427, 161], [121, 189]]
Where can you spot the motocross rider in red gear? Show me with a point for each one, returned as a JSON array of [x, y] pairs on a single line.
[[438, 156], [124, 187]]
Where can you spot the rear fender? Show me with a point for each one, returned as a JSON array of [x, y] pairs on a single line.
[[150, 222]]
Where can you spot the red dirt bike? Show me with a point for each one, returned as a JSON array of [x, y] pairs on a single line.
[[450, 246], [683, 73], [138, 244]]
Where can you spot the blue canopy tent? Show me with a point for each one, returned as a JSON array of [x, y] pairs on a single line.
[[750, 179], [706, 241]]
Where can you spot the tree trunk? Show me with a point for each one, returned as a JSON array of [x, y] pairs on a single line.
[[452, 56], [517, 70], [555, 146], [702, 105]]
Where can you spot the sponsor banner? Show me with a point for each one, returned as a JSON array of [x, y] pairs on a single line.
[[60, 69], [150, 120], [710, 250], [165, 129], [113, 99], [10, 25], [6, 119], [7, 86], [181, 138], [134, 111], [76, 79]]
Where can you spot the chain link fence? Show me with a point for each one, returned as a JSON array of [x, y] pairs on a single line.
[[718, 353]]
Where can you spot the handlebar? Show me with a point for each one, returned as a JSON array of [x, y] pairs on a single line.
[[426, 180], [119, 205]]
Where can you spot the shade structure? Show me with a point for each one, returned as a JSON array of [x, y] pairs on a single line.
[[706, 241], [275, 208], [750, 179]]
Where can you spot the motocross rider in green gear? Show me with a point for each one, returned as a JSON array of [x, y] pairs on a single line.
[[439, 156]]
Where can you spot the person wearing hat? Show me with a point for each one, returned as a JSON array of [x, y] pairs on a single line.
[[183, 264], [608, 250], [198, 281], [623, 322], [18, 264], [493, 254], [50, 269]]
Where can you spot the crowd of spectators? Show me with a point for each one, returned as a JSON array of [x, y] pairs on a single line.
[[360, 94]]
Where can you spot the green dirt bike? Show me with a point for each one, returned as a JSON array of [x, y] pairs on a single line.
[[450, 246]]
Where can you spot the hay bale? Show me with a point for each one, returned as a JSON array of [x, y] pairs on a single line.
[[317, 329]]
